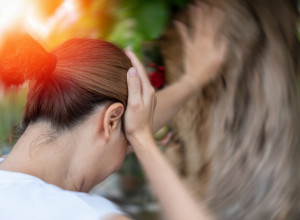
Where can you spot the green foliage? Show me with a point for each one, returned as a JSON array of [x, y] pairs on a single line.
[[152, 18], [123, 22], [11, 108], [125, 35], [139, 21]]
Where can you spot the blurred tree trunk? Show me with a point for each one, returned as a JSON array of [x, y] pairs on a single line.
[[237, 142]]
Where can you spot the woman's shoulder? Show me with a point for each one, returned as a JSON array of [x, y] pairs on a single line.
[[28, 194], [99, 203]]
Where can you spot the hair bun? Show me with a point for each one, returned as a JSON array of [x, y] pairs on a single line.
[[23, 58]]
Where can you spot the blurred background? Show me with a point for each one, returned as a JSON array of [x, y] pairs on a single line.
[[138, 24]]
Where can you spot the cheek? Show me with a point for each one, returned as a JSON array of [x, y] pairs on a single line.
[[120, 151], [123, 147]]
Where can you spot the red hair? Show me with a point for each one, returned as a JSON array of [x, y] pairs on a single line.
[[87, 73]]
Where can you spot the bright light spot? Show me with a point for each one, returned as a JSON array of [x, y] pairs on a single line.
[[12, 11], [25, 14], [66, 14]]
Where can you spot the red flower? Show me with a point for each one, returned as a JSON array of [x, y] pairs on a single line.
[[157, 79], [161, 68], [153, 65]]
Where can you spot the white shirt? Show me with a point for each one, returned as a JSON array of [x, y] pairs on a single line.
[[23, 196]]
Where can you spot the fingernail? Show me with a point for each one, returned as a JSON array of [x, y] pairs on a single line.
[[128, 53], [128, 48], [132, 71]]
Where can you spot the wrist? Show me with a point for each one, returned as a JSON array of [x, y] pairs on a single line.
[[145, 148], [138, 139], [190, 83]]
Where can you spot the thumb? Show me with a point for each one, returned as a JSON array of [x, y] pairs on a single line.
[[134, 86]]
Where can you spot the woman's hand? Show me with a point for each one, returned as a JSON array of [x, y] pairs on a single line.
[[141, 102], [138, 126], [204, 50]]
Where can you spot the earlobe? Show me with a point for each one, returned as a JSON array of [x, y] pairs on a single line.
[[112, 118]]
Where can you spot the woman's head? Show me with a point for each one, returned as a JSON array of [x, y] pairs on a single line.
[[88, 73], [82, 86]]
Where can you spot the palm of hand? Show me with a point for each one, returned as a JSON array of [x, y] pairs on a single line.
[[204, 51]]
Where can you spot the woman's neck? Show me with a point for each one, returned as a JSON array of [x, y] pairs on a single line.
[[52, 159]]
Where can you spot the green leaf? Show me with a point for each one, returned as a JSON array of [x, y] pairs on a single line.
[[124, 34], [152, 18]]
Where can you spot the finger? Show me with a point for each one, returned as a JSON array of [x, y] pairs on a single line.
[[196, 16], [223, 47], [204, 7], [147, 89], [140, 68], [215, 18], [220, 17], [134, 87], [201, 16], [183, 32]]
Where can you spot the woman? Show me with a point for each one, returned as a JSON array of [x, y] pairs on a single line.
[[80, 117]]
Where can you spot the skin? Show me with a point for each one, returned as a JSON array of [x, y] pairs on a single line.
[[204, 52], [74, 168], [78, 169]]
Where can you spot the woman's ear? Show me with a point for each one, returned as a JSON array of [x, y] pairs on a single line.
[[112, 118]]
